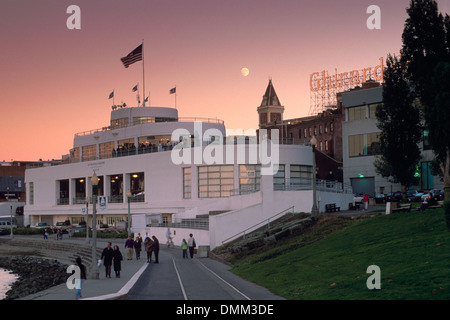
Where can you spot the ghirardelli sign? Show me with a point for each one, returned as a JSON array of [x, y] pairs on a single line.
[[323, 81]]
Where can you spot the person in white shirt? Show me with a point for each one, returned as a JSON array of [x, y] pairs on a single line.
[[191, 245]]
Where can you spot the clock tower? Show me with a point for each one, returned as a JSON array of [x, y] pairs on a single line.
[[270, 111]]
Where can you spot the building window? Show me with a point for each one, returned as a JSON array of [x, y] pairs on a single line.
[[326, 145], [106, 150], [31, 193], [300, 177], [111, 220], [326, 128], [89, 152], [364, 145], [143, 120], [249, 178], [305, 132], [119, 123], [80, 191], [75, 155], [279, 180], [310, 132], [63, 192], [187, 184], [136, 187], [373, 109], [215, 181], [320, 129], [116, 187], [76, 220], [356, 113], [331, 127]]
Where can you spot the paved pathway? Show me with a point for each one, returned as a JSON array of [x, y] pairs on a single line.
[[173, 278]]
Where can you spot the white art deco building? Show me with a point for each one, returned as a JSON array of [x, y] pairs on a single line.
[[180, 174]]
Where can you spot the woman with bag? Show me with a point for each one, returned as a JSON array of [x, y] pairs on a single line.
[[117, 258]]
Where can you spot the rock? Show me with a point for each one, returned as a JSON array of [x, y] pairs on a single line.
[[34, 274]]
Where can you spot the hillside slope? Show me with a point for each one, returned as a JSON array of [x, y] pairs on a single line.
[[411, 249]]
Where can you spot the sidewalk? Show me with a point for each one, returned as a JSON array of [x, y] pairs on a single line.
[[103, 288]]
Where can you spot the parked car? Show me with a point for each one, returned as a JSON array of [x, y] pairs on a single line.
[[103, 227], [413, 195], [440, 195], [380, 198], [4, 231], [41, 225], [79, 228], [434, 194], [394, 196], [357, 198]]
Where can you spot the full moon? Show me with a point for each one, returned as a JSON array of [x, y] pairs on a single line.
[[245, 72]]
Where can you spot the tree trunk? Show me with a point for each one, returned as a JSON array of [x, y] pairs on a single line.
[[404, 198], [445, 167]]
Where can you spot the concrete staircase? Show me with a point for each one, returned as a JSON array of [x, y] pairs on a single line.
[[65, 252]]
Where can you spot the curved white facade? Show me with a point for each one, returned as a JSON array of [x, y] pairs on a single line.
[[221, 189]]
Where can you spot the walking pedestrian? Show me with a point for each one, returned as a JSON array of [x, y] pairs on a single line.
[[82, 277], [57, 234], [191, 245], [155, 247], [129, 245], [117, 258], [45, 234], [366, 202], [107, 256], [149, 249], [137, 247], [184, 247]]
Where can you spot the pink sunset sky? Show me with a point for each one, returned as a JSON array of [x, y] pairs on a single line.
[[55, 82]]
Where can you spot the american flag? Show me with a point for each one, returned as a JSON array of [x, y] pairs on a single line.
[[132, 57]]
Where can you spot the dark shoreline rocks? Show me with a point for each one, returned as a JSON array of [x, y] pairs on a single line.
[[34, 274]]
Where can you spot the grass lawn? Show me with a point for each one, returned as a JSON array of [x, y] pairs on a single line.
[[412, 250]]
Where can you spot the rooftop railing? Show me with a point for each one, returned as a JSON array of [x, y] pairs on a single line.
[[181, 119]]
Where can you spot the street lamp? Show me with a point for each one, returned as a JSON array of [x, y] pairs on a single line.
[[87, 220], [314, 210], [10, 208], [94, 269], [129, 195]]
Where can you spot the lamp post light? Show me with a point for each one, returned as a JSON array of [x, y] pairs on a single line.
[[94, 269], [11, 235], [129, 195], [87, 220], [314, 210]]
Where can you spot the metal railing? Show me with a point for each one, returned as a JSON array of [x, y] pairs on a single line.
[[194, 223], [181, 119], [306, 184], [253, 228]]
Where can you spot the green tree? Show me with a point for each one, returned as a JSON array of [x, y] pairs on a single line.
[[426, 53], [399, 120]]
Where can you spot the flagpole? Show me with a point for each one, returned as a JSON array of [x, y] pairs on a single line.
[[113, 102], [143, 74], [175, 96]]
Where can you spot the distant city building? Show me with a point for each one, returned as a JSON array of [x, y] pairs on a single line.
[[325, 126], [361, 144]]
